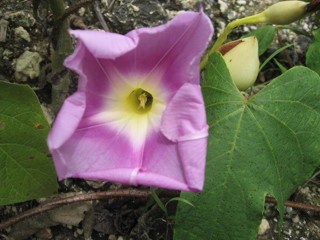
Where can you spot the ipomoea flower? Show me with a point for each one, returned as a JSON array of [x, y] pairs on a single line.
[[138, 115]]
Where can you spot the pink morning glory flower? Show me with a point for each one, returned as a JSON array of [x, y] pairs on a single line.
[[138, 115]]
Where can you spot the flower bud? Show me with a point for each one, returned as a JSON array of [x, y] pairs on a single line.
[[242, 59], [285, 12]]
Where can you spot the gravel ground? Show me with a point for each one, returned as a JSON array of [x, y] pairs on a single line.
[[22, 38]]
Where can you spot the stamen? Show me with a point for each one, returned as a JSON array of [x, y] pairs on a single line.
[[143, 100], [140, 100]]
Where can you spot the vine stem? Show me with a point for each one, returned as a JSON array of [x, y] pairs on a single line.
[[254, 19], [72, 199], [117, 194], [297, 205]]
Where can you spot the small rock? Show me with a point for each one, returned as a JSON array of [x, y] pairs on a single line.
[[28, 66], [80, 231], [112, 237], [264, 227], [135, 8], [296, 219], [187, 4], [241, 2], [242, 8], [21, 18], [20, 32], [3, 30], [287, 232], [71, 214], [14, 209], [305, 190], [289, 209], [44, 233], [82, 11], [7, 53], [232, 15], [105, 3], [223, 6]]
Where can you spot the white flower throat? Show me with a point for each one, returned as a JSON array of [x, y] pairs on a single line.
[[134, 108]]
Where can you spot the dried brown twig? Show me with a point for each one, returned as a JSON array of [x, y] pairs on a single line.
[[72, 199], [297, 205]]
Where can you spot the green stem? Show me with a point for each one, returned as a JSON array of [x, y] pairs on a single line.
[[254, 19], [57, 8], [273, 55], [62, 45]]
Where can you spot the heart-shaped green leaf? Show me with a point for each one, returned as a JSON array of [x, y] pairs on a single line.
[[267, 144], [26, 168]]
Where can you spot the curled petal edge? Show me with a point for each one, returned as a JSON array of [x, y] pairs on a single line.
[[67, 121]]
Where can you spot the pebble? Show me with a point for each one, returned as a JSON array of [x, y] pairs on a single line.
[[305, 190], [289, 209], [14, 209], [79, 231], [288, 232], [82, 11], [105, 3], [21, 33], [232, 15], [112, 237], [241, 2], [296, 219], [7, 53], [44, 233], [28, 66], [242, 8], [3, 30], [21, 18], [264, 227], [223, 6], [135, 8]]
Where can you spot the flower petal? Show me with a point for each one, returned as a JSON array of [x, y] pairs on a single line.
[[176, 50], [184, 122], [165, 164], [94, 149], [159, 167], [185, 117], [71, 113], [104, 44], [193, 157]]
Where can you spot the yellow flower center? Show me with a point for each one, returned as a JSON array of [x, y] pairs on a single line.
[[140, 101]]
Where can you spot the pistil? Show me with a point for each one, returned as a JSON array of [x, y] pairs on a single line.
[[140, 101]]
